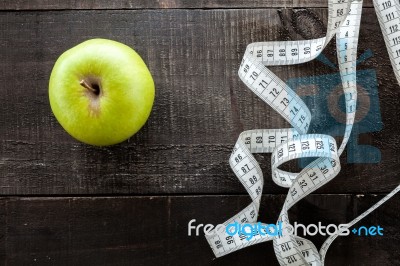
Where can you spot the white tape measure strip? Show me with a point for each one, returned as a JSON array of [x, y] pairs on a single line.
[[288, 144]]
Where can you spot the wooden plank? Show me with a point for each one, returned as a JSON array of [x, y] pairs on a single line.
[[161, 4], [201, 105], [153, 230]]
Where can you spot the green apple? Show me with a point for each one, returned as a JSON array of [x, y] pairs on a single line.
[[101, 92]]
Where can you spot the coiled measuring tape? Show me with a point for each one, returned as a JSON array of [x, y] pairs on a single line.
[[294, 143]]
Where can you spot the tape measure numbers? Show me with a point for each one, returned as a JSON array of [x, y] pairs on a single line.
[[294, 143]]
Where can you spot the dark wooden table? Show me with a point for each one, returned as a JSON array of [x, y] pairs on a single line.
[[66, 203]]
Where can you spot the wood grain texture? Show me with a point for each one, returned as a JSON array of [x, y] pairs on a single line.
[[159, 4], [153, 230], [193, 49], [201, 106]]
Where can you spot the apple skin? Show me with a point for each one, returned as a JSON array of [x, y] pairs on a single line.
[[101, 92]]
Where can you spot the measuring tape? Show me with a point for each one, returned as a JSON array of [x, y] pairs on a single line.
[[294, 143]]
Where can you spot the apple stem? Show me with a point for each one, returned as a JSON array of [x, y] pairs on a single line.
[[87, 86]]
